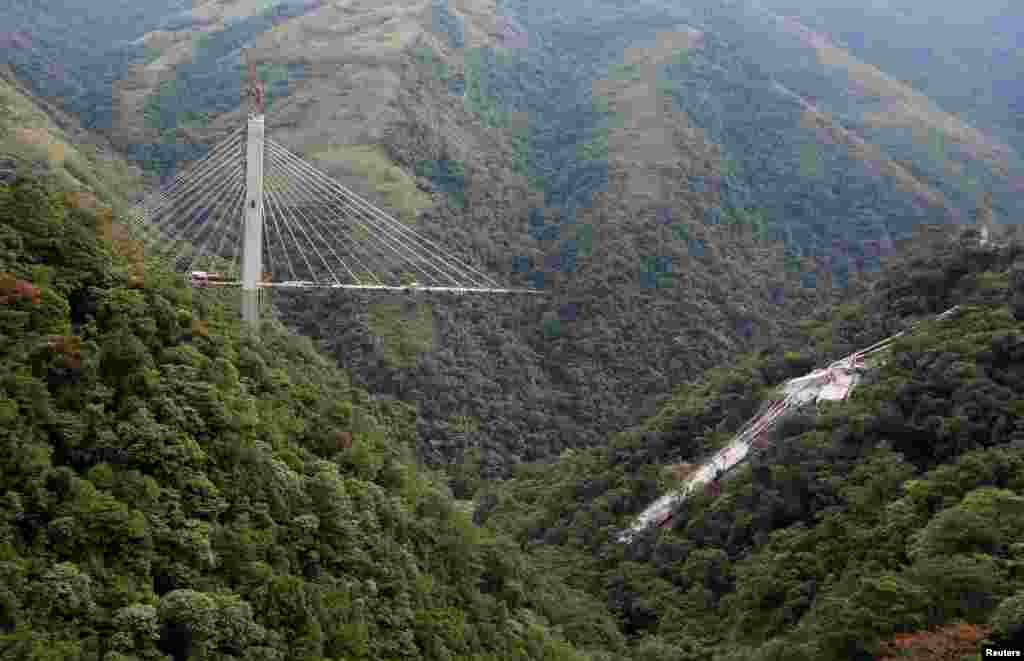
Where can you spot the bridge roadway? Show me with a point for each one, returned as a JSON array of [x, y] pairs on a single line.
[[402, 288], [405, 288]]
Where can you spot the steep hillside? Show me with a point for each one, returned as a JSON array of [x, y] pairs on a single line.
[[963, 57], [72, 52], [643, 290], [886, 520], [34, 134], [174, 488]]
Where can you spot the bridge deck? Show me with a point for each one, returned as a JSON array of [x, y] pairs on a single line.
[[403, 288]]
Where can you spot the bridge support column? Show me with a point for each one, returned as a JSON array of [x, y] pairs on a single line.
[[252, 242]]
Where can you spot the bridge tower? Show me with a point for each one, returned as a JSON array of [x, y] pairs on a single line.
[[252, 242]]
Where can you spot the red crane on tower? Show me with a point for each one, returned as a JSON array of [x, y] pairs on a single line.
[[255, 88]]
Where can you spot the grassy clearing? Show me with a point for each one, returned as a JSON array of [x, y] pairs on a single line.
[[396, 186], [391, 40]]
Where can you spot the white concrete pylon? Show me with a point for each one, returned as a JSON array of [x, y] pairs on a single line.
[[252, 242]]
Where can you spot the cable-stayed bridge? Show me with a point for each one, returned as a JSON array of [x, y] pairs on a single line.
[[252, 214]]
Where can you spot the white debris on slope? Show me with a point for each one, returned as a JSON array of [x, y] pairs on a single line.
[[833, 383]]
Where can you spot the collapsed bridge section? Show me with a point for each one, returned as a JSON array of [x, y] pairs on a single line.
[[832, 383]]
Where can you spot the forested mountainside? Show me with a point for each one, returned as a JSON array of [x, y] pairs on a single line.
[[687, 181], [72, 52], [929, 45], [36, 136], [883, 527], [174, 489]]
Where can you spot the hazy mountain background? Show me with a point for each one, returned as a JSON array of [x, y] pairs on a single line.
[[965, 57]]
